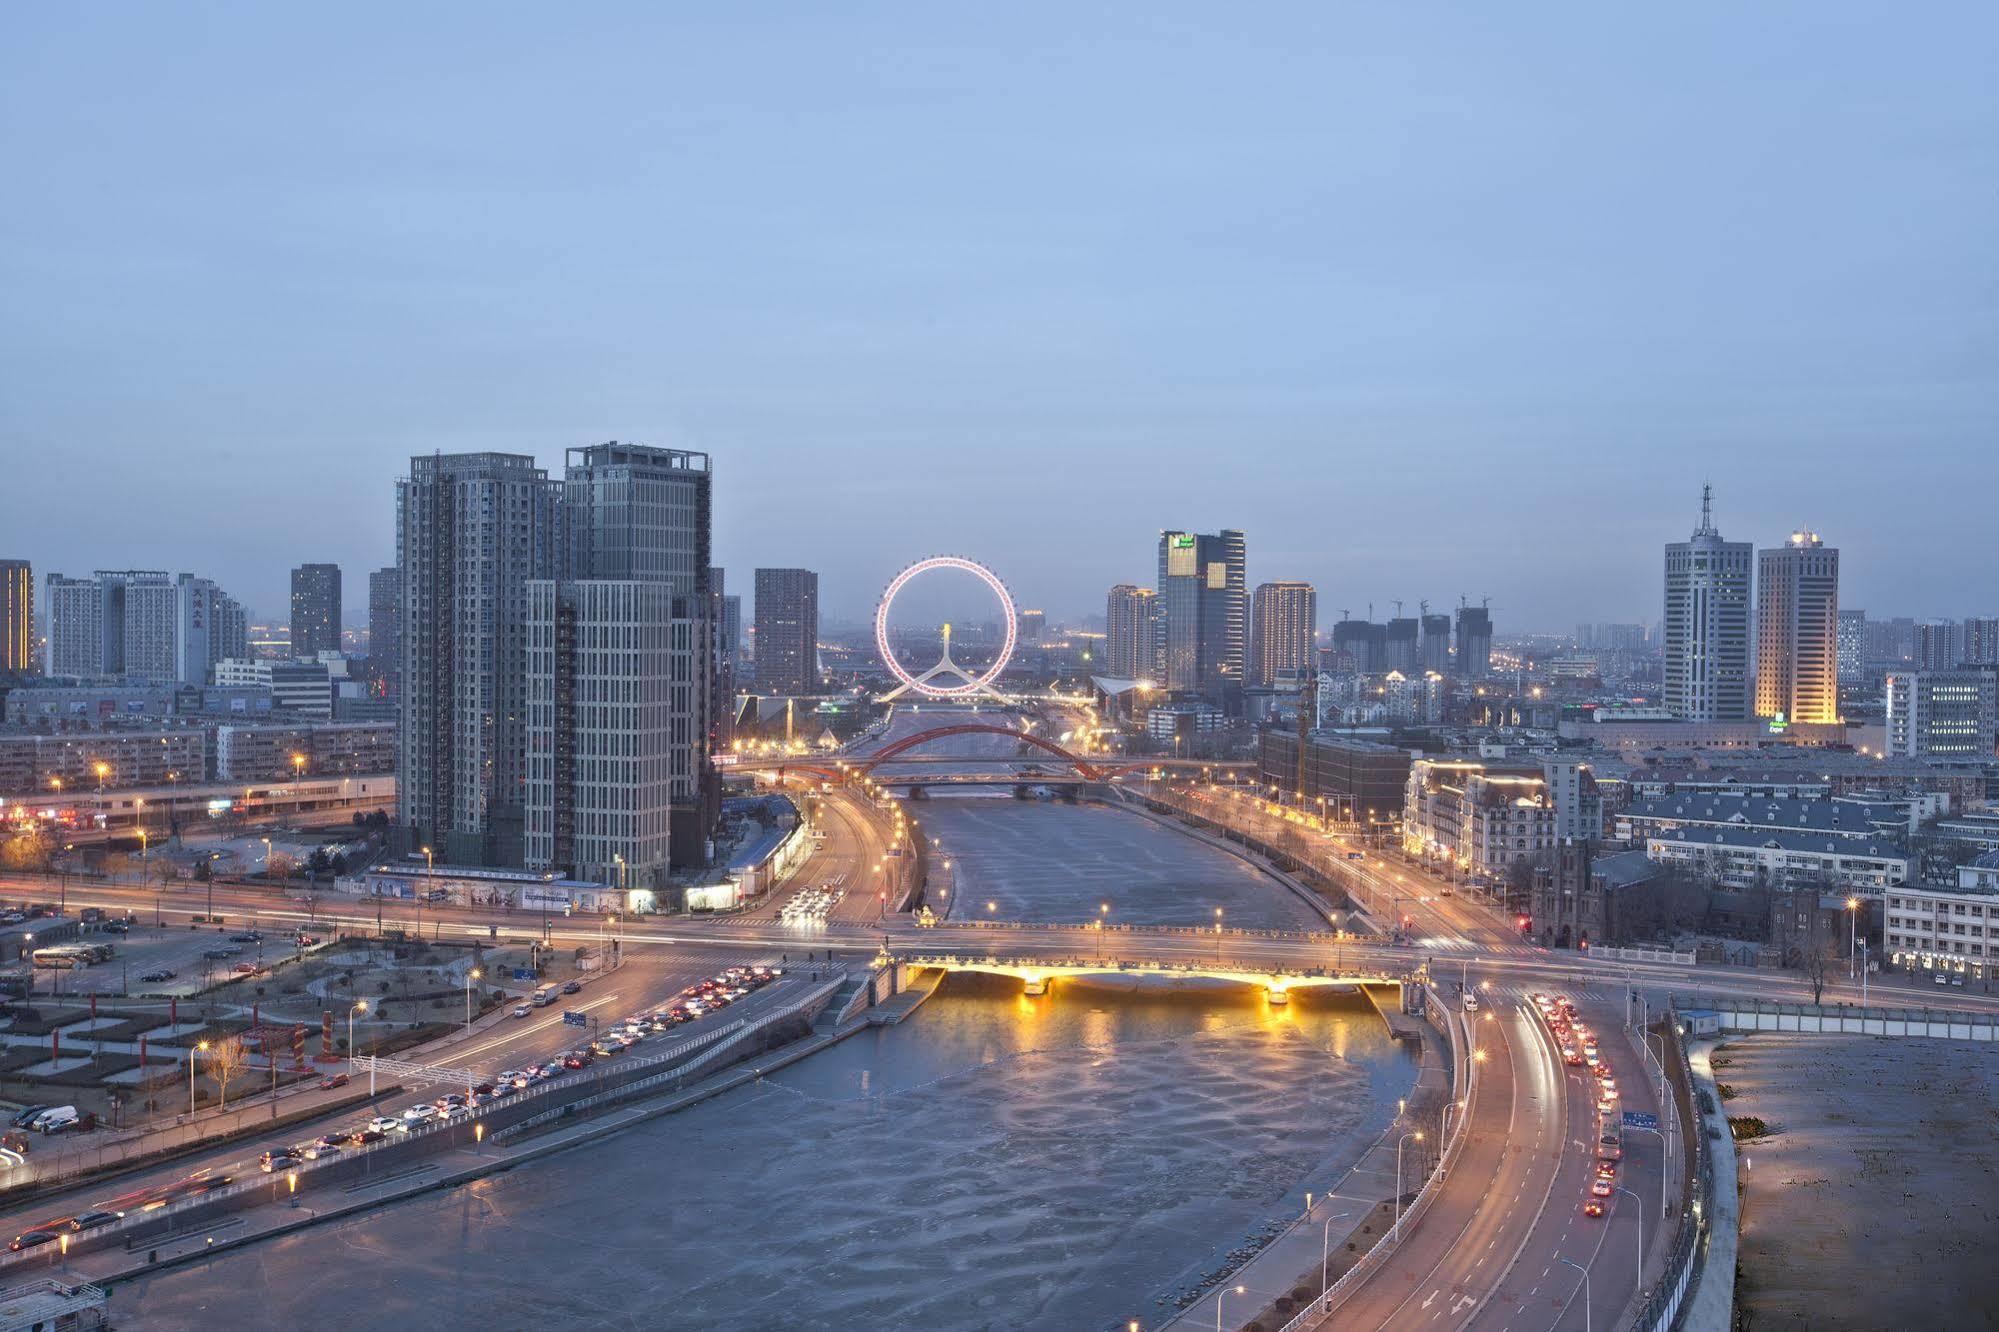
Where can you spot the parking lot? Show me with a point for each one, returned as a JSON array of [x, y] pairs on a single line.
[[169, 960]]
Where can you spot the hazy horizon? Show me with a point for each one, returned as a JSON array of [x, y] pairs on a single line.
[[1428, 309]]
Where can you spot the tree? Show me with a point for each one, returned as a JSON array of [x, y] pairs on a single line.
[[225, 1059], [29, 850], [1819, 962]]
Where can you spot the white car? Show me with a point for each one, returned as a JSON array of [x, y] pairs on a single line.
[[1471, 1002], [417, 1115], [523, 1010], [383, 1124]]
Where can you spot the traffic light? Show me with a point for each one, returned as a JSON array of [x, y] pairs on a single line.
[[1525, 924]]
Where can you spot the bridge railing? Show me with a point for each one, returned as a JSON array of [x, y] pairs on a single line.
[[1662, 1304]]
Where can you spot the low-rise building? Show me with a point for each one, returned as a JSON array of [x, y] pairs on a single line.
[[272, 753], [1359, 780], [1941, 927], [1484, 816], [1835, 818], [1744, 858]]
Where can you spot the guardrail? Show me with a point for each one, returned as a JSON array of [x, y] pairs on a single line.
[[1662, 955], [972, 962], [1744, 1014], [1662, 1306], [150, 1222], [1390, 1241]]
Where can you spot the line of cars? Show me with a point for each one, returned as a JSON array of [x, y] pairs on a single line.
[[810, 906], [149, 1199], [53, 1119], [1579, 1049]]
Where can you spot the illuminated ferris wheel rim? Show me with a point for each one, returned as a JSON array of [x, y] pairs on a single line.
[[971, 684]]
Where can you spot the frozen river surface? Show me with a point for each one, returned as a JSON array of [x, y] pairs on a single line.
[[995, 1162]]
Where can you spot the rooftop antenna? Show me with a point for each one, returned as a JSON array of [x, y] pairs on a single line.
[[1707, 510], [1370, 611]]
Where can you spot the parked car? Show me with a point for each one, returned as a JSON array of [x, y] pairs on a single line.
[[332, 1080], [247, 936], [59, 1120], [29, 1113], [158, 974]]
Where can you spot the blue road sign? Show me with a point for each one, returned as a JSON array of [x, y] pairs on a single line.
[[571, 1018], [1634, 1119], [523, 973]]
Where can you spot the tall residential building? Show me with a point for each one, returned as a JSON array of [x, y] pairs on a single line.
[[1400, 645], [1131, 633], [315, 610], [385, 597], [787, 631], [1937, 645], [1204, 610], [472, 530], [1284, 621], [17, 617], [621, 672], [1707, 624], [1474, 659], [1797, 631], [1980, 645], [1942, 714], [1436, 650], [140, 625], [1852, 646], [1363, 644]]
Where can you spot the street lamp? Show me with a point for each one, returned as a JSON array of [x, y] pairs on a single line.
[[359, 1006], [191, 1054], [1585, 1271], [1326, 1247], [298, 765], [1395, 1232], [1852, 930], [1638, 1207], [429, 869], [470, 976], [1219, 1297]]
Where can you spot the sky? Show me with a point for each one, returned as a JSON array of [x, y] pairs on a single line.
[[1431, 300]]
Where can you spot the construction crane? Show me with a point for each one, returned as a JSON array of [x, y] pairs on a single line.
[[1398, 606]]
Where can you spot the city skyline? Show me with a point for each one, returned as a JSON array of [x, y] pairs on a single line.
[[1281, 326]]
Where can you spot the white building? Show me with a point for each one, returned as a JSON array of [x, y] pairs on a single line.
[[1707, 625], [1940, 928], [1942, 714], [1747, 858]]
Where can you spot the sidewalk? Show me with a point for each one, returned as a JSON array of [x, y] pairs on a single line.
[[1710, 1305]]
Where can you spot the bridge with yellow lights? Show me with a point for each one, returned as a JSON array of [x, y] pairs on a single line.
[[1036, 973]]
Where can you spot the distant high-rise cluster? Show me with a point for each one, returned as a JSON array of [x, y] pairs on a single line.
[[1416, 645], [141, 625], [1132, 640], [554, 660], [1284, 622]]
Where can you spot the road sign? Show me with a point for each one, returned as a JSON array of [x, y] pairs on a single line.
[[572, 1018], [523, 973], [1634, 1119]]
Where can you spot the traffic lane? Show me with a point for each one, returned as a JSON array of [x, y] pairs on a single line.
[[1539, 1289], [1614, 1277], [1443, 1256], [503, 1048]]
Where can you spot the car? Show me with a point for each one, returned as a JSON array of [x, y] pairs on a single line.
[[1471, 1002], [1592, 1207], [1606, 1169], [1571, 1056], [452, 1104], [577, 1059], [157, 974], [365, 1137], [523, 1010], [321, 1148], [417, 1115], [572, 987], [248, 969], [382, 1124], [28, 1113], [91, 1220], [247, 936], [63, 1119], [1602, 1188], [1942, 979], [29, 1239], [219, 954], [117, 927], [280, 1158], [332, 1080]]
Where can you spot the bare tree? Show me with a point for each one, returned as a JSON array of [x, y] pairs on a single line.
[[225, 1059], [1819, 962]]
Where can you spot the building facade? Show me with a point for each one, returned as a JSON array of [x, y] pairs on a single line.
[[1943, 714], [787, 648], [1284, 624], [1132, 646], [139, 625], [385, 594], [1797, 631], [17, 617], [1474, 659], [1359, 781], [1748, 858], [1852, 636], [315, 609], [472, 531], [1938, 927], [1707, 625], [1203, 591]]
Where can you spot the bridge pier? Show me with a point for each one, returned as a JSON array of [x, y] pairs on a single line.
[[1279, 995], [1036, 985]]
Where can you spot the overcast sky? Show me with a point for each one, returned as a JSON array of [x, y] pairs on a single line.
[[1429, 300]]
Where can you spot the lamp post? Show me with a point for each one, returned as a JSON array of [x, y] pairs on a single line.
[[1852, 933], [1218, 934], [359, 1006], [1396, 1231], [470, 976], [429, 868], [1221, 1295], [1103, 918], [267, 856], [1638, 1205], [1326, 1249], [1585, 1271], [191, 1055]]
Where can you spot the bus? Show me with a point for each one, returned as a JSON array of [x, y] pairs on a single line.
[[544, 995], [1610, 1141], [60, 959]]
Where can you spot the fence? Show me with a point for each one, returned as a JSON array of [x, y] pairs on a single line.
[[1385, 1247], [1662, 1306], [1662, 955], [1738, 1014]]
